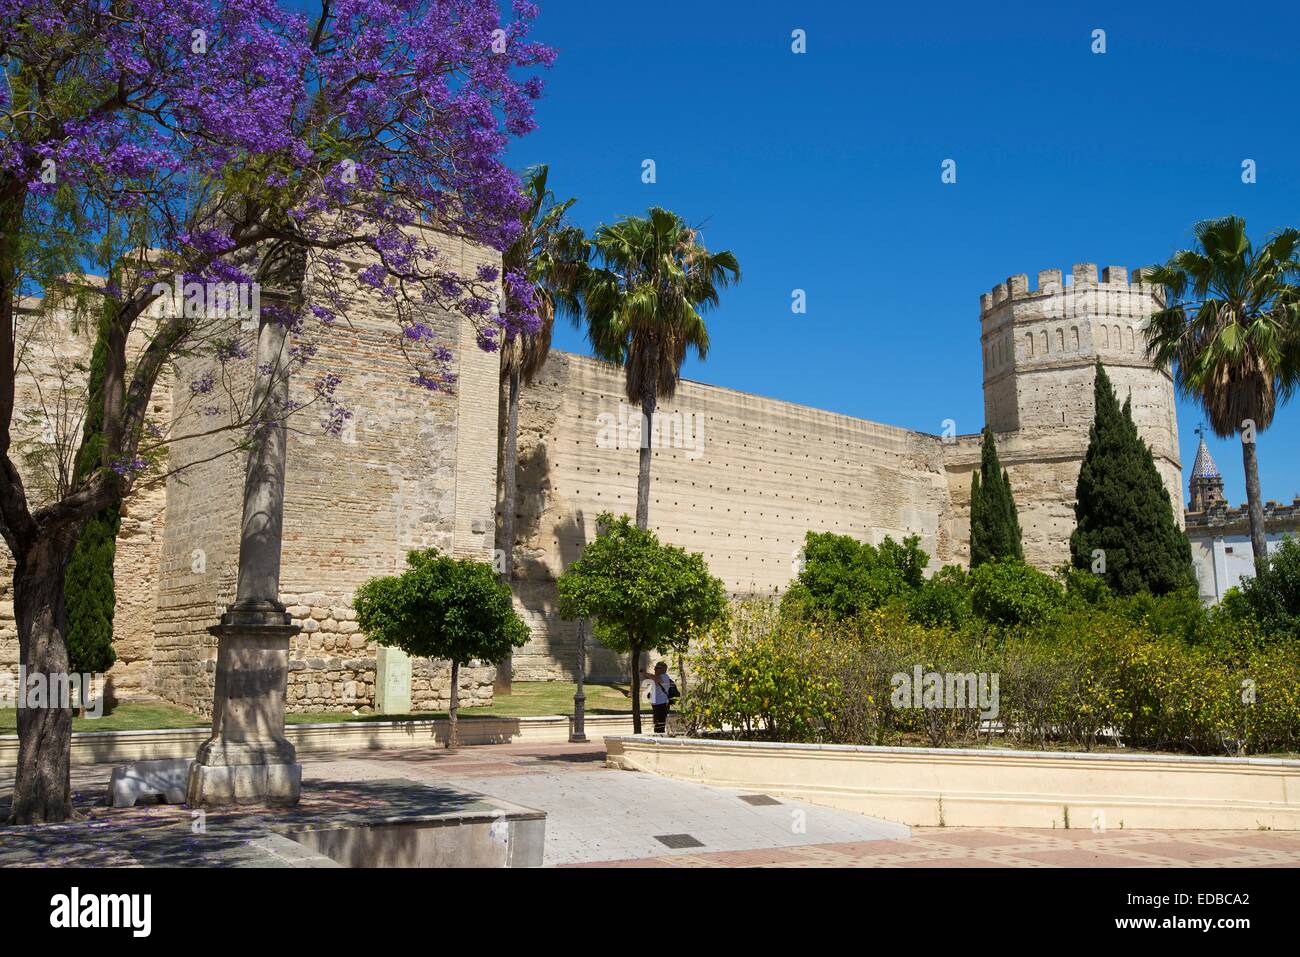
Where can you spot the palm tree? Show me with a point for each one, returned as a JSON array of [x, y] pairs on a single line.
[[1230, 329], [550, 254], [643, 310]]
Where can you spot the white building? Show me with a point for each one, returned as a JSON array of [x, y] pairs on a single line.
[[1220, 535]]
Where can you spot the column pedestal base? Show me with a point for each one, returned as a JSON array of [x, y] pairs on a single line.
[[248, 760]]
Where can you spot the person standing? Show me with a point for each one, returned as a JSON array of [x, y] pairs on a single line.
[[664, 692]]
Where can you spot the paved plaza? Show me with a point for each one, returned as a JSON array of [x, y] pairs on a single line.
[[596, 816]]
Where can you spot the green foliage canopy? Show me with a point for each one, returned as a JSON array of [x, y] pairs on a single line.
[[994, 521], [1009, 592], [442, 608], [1125, 527], [841, 577], [1273, 595], [643, 594]]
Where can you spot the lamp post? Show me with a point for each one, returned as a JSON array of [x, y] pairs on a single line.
[[578, 735]]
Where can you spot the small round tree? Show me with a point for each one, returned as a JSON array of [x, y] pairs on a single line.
[[643, 595], [442, 607]]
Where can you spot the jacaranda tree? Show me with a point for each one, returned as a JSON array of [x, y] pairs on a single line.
[[202, 139]]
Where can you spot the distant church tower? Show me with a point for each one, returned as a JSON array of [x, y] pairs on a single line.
[[1206, 483], [1040, 347]]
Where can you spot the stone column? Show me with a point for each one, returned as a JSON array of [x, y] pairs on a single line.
[[248, 760]]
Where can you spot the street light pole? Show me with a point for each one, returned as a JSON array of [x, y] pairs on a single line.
[[578, 734]]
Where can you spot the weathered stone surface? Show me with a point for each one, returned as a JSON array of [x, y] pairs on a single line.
[[149, 780]]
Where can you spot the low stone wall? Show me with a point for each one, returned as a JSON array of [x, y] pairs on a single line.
[[332, 666], [929, 787]]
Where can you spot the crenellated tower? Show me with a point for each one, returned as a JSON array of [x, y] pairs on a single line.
[[1040, 346]]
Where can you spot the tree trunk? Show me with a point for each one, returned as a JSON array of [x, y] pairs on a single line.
[[452, 741], [1254, 503], [648, 402], [636, 689], [42, 788], [504, 677], [13, 194]]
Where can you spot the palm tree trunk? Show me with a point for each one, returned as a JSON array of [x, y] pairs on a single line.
[[648, 400], [1254, 503], [452, 739], [503, 684]]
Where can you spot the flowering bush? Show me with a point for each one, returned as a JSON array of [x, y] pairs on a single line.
[[1083, 678]]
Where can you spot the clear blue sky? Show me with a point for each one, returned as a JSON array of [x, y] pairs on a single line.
[[821, 171]]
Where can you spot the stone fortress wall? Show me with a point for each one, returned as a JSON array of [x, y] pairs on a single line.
[[737, 477], [751, 476], [53, 355], [411, 469]]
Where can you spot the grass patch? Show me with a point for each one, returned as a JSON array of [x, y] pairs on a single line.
[[530, 699], [127, 716]]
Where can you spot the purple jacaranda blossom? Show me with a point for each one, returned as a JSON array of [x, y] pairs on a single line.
[[230, 350], [204, 384], [200, 139], [129, 467]]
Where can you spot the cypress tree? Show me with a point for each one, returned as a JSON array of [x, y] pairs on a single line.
[[994, 520], [89, 592], [1125, 528]]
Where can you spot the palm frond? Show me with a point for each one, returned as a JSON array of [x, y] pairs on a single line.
[[552, 254], [1230, 329], [644, 302]]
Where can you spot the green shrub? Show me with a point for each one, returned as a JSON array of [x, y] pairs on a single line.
[[1180, 614], [1084, 589], [943, 599], [1269, 687], [842, 577], [749, 678], [1081, 677], [1273, 595], [1010, 592]]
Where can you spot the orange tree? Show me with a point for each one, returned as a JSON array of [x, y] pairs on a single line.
[[642, 594], [441, 607]]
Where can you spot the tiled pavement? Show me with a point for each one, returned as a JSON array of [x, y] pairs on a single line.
[[1015, 847], [601, 817], [594, 814]]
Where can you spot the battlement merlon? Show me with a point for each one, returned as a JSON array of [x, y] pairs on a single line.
[[1051, 282]]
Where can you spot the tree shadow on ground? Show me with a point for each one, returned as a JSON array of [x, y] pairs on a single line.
[[176, 836]]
